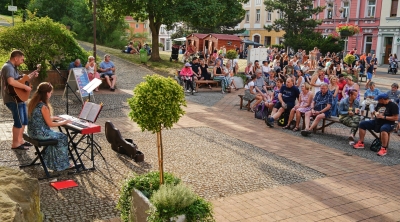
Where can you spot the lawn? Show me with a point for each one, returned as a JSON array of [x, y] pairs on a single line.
[[8, 18], [164, 66]]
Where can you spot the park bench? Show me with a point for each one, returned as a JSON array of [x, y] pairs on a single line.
[[206, 82], [333, 119], [247, 105]]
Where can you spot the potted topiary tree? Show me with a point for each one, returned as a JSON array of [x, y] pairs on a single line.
[[157, 104]]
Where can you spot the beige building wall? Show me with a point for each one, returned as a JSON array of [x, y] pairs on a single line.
[[256, 18]]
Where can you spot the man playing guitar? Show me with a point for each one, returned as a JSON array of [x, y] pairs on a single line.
[[9, 77]]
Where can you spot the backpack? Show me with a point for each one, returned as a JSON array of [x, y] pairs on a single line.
[[281, 120], [261, 112], [376, 145]]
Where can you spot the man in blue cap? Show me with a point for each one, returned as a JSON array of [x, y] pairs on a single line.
[[386, 113]]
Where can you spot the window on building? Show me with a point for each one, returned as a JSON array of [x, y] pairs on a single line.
[[267, 40], [256, 38], [367, 43], [328, 10], [393, 10], [258, 2], [145, 25], [247, 16], [371, 8], [345, 12], [280, 13], [162, 30], [258, 15], [137, 25], [311, 7], [269, 16]]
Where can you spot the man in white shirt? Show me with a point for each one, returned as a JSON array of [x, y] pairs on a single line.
[[265, 68]]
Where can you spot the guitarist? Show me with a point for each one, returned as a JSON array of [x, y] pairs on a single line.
[[9, 77]]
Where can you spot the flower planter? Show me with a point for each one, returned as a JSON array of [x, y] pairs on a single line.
[[345, 33], [141, 205]]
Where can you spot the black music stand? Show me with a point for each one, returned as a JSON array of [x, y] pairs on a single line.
[[66, 85]]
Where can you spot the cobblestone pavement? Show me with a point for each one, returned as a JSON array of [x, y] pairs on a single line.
[[249, 171]]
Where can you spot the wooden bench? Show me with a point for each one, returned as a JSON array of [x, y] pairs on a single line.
[[361, 76], [207, 82], [247, 105]]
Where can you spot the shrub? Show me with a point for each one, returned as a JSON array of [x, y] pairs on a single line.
[[170, 200], [147, 184], [41, 40], [231, 54], [349, 59]]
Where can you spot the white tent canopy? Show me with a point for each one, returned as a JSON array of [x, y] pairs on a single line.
[[182, 39]]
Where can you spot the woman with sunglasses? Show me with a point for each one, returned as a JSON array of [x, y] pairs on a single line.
[[40, 120]]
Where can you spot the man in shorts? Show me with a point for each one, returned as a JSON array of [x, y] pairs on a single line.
[[386, 113], [9, 77], [320, 109], [107, 69], [287, 100]]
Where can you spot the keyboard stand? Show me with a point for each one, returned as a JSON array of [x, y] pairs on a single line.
[[90, 143], [75, 149]]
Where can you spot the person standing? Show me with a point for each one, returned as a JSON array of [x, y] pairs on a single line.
[[9, 77], [107, 69]]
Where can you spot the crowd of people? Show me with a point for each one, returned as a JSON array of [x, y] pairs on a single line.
[[318, 87]]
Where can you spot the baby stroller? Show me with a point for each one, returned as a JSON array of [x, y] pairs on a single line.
[[174, 53], [393, 67]]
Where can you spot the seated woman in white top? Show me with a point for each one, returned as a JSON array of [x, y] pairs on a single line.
[[250, 93], [91, 69]]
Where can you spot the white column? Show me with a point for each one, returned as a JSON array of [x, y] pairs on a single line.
[[378, 52], [358, 10]]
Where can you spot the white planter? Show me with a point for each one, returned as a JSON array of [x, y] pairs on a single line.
[[238, 82], [141, 204], [160, 48]]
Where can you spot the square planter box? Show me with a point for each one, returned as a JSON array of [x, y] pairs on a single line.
[[140, 204]]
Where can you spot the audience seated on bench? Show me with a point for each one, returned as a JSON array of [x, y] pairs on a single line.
[[386, 113]]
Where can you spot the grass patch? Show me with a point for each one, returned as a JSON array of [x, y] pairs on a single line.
[[164, 67], [8, 18]]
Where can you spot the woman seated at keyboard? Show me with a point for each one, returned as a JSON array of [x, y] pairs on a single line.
[[39, 123]]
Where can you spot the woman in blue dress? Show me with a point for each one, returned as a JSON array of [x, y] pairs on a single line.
[[39, 122]]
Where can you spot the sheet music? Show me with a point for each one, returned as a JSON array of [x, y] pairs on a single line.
[[90, 111], [94, 111], [92, 85], [85, 110]]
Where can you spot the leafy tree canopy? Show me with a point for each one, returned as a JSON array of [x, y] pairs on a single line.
[[200, 14], [295, 19], [42, 40]]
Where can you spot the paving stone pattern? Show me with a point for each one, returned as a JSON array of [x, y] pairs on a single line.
[[249, 171]]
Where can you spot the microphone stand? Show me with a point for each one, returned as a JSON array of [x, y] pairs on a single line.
[[67, 85]]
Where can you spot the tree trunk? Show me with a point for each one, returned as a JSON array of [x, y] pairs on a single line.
[[154, 27], [160, 157]]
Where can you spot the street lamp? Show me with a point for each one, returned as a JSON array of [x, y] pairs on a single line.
[[331, 9], [94, 29]]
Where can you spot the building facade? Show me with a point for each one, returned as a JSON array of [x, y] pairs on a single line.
[[255, 19], [389, 31], [363, 13]]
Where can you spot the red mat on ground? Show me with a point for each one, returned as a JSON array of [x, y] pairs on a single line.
[[64, 184]]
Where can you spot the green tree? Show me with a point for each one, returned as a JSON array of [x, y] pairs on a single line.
[[78, 16], [157, 104], [21, 6], [295, 19], [42, 40], [197, 13]]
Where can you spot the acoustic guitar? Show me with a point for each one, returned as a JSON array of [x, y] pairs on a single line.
[[21, 95]]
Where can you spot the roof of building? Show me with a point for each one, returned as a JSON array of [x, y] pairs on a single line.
[[226, 37], [198, 35]]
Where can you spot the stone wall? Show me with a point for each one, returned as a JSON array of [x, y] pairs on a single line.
[[19, 197]]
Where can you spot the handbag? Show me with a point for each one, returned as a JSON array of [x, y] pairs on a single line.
[[261, 112], [376, 145]]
